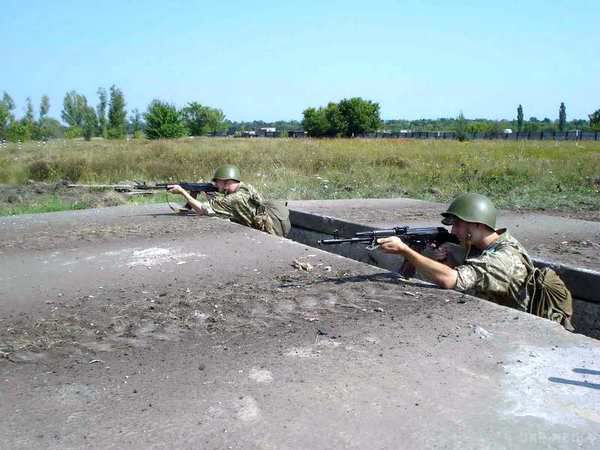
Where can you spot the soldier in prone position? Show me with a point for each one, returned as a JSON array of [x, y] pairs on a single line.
[[239, 202], [495, 266]]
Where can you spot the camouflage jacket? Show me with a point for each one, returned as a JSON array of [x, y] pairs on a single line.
[[244, 206], [499, 273]]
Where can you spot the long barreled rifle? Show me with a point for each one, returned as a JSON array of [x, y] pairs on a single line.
[[193, 188], [142, 186], [416, 238], [190, 187], [138, 188]]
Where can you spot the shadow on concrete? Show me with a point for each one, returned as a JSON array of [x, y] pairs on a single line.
[[574, 382], [587, 371], [382, 277], [164, 214]]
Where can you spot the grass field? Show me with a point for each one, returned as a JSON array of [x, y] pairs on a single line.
[[525, 174]]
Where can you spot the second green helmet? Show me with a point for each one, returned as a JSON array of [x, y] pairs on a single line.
[[473, 208], [227, 172]]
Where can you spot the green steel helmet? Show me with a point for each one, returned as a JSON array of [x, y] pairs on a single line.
[[227, 172], [473, 208]]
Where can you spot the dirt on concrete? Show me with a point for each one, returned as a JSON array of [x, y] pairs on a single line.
[[131, 327]]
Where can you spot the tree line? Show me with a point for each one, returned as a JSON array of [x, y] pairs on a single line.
[[351, 117], [109, 119]]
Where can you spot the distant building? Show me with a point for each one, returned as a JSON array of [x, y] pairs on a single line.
[[248, 133], [297, 133], [266, 132], [507, 131]]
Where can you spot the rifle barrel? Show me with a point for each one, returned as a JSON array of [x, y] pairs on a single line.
[[344, 240]]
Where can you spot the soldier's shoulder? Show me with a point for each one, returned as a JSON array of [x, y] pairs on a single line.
[[247, 186], [508, 241]]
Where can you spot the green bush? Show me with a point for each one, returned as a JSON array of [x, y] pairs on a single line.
[[19, 132], [70, 169], [39, 170], [73, 132]]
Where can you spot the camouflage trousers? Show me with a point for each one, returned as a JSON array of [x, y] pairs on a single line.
[[264, 222]]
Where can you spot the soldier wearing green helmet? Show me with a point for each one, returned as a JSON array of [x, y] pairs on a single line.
[[227, 172], [494, 265], [474, 208], [239, 202]]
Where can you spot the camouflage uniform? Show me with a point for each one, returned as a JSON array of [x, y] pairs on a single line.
[[499, 273], [244, 206]]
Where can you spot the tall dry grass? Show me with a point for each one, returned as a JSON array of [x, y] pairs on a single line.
[[529, 174]]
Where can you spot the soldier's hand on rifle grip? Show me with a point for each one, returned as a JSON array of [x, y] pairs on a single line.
[[392, 244], [437, 253], [175, 189]]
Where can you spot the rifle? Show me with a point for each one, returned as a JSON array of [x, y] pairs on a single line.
[[416, 238], [193, 188]]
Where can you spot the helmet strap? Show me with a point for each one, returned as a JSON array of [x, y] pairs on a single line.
[[468, 243]]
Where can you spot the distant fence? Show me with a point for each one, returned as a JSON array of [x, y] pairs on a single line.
[[574, 135]]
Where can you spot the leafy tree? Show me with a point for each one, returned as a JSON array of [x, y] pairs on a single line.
[[195, 118], [163, 121], [8, 102], [18, 131], [314, 122], [595, 120], [215, 121], [44, 107], [48, 128], [28, 111], [562, 117], [336, 123], [202, 120], [90, 123], [5, 119], [136, 125], [101, 111], [460, 127], [359, 116], [351, 117], [74, 109], [117, 116], [325, 122], [520, 118], [492, 129], [73, 132]]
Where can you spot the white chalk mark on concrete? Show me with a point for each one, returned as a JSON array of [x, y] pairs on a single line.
[[260, 375], [248, 409]]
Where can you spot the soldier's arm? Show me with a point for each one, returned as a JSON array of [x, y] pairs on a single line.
[[195, 204], [436, 272]]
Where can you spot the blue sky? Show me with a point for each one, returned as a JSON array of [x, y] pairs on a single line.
[[270, 60]]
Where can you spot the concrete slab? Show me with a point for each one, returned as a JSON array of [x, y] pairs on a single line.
[[123, 328]]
